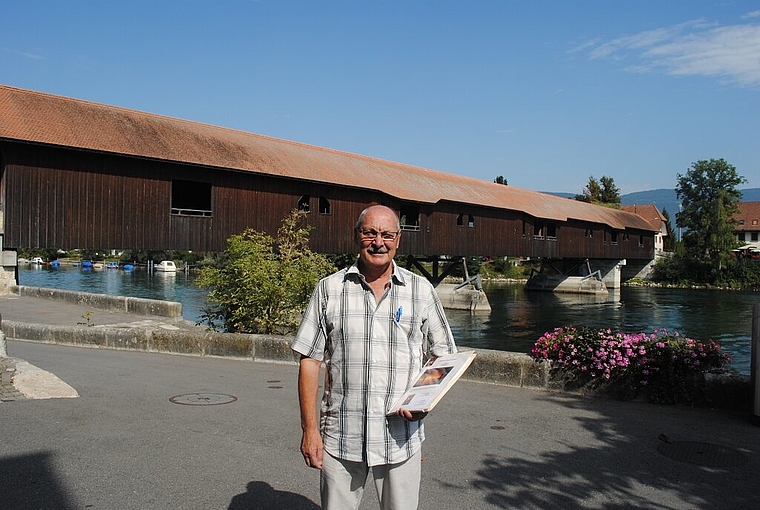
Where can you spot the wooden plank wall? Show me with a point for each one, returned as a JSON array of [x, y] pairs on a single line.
[[63, 198]]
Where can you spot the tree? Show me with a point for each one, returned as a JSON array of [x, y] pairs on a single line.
[[501, 180], [262, 284], [709, 199], [610, 193], [602, 191]]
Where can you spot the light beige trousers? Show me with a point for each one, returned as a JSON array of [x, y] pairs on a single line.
[[397, 485]]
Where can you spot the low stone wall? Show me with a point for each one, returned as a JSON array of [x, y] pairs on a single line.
[[494, 367], [137, 306]]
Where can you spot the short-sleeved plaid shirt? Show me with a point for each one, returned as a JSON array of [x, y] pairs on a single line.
[[371, 352]]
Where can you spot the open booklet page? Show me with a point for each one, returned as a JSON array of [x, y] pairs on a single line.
[[436, 378]]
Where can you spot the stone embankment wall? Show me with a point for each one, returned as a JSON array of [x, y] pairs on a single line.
[[137, 306], [495, 367]]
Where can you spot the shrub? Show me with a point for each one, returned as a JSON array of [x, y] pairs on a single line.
[[662, 367], [261, 284]]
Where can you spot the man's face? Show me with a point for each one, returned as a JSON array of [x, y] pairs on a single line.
[[376, 252]]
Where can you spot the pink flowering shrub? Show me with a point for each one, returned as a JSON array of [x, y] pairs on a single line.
[[663, 367]]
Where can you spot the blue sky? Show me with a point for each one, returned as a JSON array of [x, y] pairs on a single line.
[[545, 93]]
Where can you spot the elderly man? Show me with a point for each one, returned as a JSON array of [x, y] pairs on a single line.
[[372, 325]]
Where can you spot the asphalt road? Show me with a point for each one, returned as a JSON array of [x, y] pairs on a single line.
[[124, 445]]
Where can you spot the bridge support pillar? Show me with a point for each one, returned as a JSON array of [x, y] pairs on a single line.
[[468, 295], [610, 270]]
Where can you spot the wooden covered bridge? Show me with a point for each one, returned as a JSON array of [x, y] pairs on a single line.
[[76, 174]]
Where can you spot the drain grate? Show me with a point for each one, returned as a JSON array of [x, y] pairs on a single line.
[[203, 399], [703, 454]]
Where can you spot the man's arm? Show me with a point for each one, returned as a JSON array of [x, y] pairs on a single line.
[[308, 389]]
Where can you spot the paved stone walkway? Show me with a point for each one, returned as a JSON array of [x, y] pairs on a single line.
[[8, 393]]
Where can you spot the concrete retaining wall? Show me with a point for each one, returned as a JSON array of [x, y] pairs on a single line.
[[495, 367], [137, 306]]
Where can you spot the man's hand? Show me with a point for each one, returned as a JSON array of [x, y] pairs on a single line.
[[312, 448], [410, 416]]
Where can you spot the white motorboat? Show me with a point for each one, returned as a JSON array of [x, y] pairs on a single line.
[[166, 266]]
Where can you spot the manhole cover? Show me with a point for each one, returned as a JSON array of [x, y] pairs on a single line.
[[203, 399], [703, 454]]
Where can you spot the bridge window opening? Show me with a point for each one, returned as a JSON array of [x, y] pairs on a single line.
[[523, 228], [538, 231], [460, 220], [303, 204], [470, 221], [191, 198], [614, 238], [551, 231], [324, 206], [409, 217], [589, 233], [641, 241]]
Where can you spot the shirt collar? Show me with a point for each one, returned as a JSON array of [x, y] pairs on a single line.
[[396, 275]]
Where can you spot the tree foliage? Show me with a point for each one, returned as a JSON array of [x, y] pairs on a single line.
[[262, 284], [602, 191], [709, 200], [501, 180]]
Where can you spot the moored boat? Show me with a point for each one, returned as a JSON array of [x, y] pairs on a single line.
[[166, 266]]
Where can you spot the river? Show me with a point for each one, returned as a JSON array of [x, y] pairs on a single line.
[[517, 317]]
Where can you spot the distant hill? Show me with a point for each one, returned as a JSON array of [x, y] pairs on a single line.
[[663, 198]]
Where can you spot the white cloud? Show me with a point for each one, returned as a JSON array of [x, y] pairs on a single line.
[[695, 48], [25, 54]]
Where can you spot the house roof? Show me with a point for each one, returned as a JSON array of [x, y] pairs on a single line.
[[651, 213], [37, 117], [747, 217]]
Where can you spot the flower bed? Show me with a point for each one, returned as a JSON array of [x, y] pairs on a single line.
[[661, 367]]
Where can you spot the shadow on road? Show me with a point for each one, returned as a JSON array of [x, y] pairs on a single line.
[[262, 496], [28, 482]]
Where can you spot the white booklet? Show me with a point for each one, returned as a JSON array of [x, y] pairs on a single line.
[[434, 381]]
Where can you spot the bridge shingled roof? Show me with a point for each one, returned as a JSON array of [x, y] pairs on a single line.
[[38, 117]]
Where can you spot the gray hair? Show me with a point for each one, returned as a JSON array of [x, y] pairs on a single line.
[[362, 214]]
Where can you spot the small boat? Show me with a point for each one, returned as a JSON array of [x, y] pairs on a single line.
[[128, 267], [112, 265], [86, 264], [37, 261], [97, 266], [55, 264], [166, 266]]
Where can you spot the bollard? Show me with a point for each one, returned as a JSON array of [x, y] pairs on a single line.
[[755, 365]]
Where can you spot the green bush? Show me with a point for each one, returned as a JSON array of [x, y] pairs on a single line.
[[262, 284]]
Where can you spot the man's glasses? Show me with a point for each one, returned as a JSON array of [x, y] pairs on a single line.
[[370, 234]]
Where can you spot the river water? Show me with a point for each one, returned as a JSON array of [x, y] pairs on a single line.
[[517, 317]]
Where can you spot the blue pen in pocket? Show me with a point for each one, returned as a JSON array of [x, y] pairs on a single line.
[[398, 314]]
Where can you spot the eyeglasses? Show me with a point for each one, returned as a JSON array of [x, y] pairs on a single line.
[[371, 234]]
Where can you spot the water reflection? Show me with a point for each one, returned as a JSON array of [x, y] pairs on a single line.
[[516, 320]]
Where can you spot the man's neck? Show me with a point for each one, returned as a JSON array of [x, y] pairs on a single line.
[[372, 274]]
